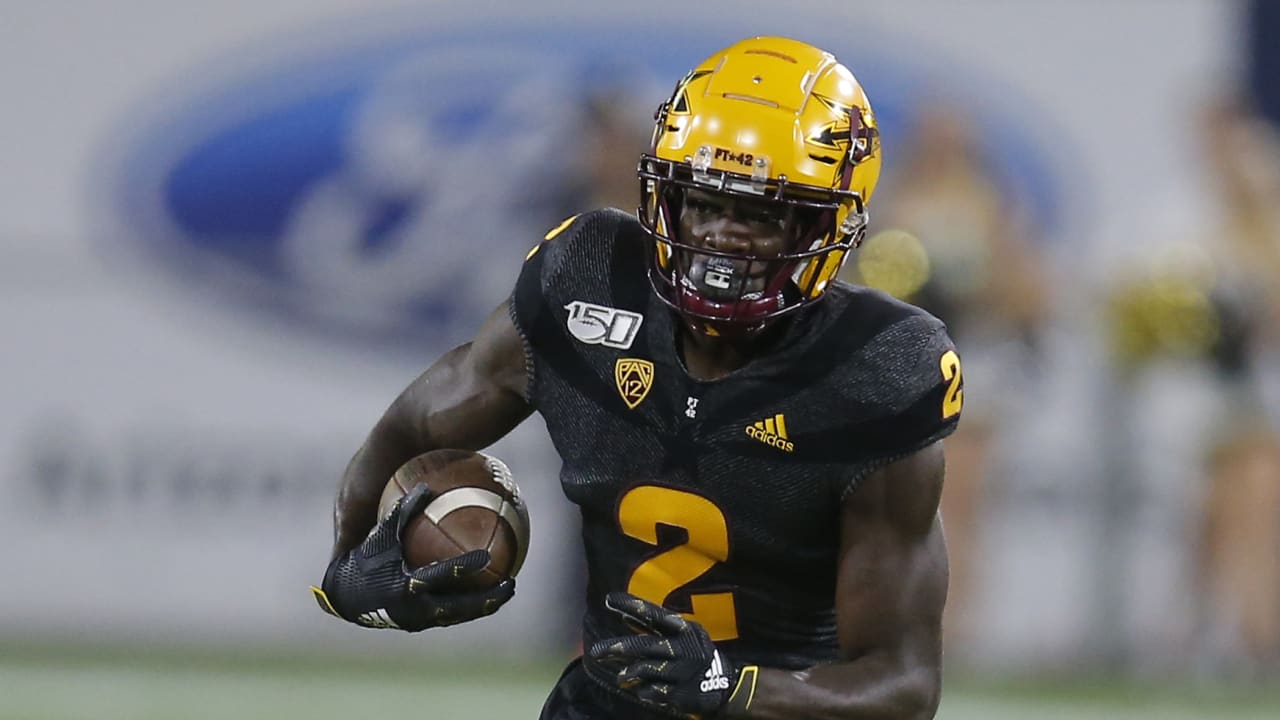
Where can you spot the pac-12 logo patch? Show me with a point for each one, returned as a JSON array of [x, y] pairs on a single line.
[[601, 325], [634, 378]]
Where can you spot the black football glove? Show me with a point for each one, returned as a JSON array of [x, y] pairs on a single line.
[[671, 667], [371, 585]]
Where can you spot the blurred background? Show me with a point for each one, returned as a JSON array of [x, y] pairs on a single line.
[[231, 232]]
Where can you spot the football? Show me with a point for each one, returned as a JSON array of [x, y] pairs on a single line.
[[476, 506]]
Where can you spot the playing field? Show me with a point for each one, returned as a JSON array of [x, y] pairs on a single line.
[[53, 685]]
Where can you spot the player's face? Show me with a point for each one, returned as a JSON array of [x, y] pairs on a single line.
[[740, 228]]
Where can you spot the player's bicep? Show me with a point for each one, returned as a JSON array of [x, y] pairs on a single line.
[[473, 395], [892, 581]]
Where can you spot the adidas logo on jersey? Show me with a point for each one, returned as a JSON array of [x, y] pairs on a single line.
[[377, 619], [715, 677], [772, 432]]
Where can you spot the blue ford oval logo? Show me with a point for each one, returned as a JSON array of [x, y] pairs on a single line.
[[388, 192]]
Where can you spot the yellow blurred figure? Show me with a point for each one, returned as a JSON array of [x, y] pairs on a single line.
[[894, 261], [1156, 314]]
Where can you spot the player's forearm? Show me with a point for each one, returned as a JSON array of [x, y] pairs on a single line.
[[356, 506], [869, 688]]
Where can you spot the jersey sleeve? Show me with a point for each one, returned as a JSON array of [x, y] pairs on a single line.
[[919, 398], [577, 261], [537, 275], [529, 305]]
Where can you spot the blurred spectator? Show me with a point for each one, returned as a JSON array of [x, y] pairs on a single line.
[[1215, 303], [614, 128], [948, 236], [613, 141], [1240, 566]]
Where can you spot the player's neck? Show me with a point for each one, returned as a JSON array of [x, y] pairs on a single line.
[[708, 357]]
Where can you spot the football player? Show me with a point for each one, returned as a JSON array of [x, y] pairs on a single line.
[[755, 447]]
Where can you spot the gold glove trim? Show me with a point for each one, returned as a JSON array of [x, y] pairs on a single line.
[[744, 692], [323, 600]]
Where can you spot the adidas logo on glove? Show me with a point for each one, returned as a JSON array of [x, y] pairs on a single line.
[[716, 679], [377, 619]]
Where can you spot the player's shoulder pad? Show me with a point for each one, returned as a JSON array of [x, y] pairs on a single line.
[[904, 371], [575, 237], [593, 257]]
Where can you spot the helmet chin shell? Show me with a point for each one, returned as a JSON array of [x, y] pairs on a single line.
[[770, 120], [745, 316]]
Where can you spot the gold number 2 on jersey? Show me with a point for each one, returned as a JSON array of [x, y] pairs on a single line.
[[953, 400], [641, 511]]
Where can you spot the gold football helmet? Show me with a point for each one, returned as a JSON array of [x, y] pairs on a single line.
[[767, 121]]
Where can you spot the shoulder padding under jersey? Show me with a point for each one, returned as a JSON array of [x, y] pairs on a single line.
[[588, 244], [898, 374]]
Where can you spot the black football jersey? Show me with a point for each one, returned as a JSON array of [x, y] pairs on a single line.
[[720, 499]]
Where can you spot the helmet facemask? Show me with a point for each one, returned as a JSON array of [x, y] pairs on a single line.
[[731, 291]]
